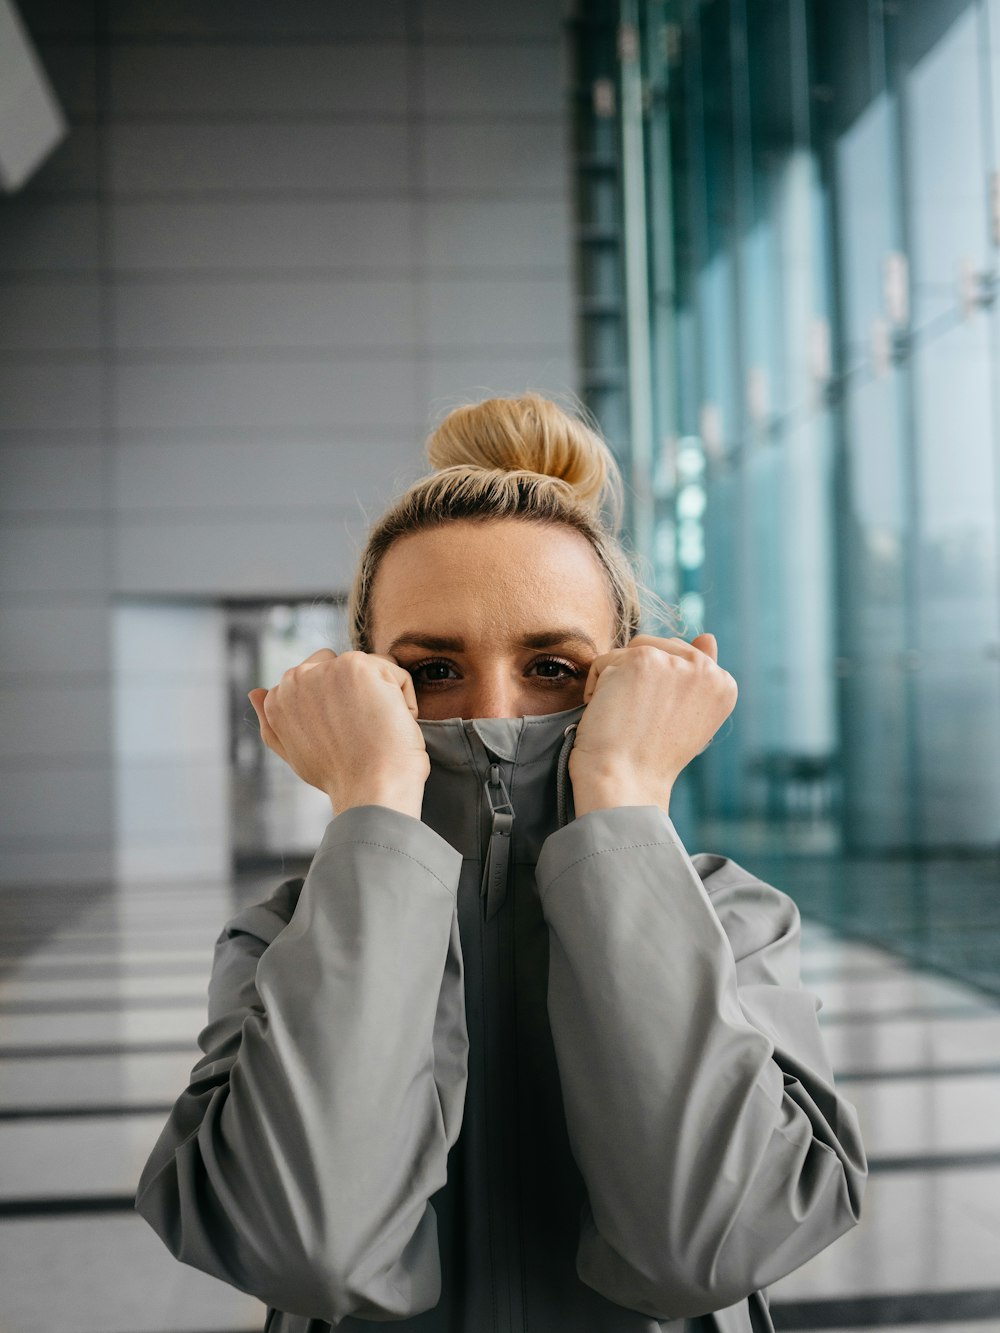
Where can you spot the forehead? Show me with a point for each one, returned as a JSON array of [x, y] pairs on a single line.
[[496, 576]]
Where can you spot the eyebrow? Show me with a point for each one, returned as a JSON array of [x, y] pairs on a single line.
[[548, 638]]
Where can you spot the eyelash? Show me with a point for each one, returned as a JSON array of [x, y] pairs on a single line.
[[573, 672]]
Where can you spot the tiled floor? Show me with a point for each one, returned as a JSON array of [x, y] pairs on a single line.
[[101, 998], [942, 911]]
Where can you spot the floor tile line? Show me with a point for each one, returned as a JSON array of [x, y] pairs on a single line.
[[885, 1311], [83, 1111], [100, 1048], [974, 1010], [944, 1161], [858, 972], [175, 926], [100, 1004], [77, 971], [55, 1206], [916, 1072], [110, 949]]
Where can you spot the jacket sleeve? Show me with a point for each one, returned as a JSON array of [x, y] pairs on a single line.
[[700, 1103], [299, 1162]]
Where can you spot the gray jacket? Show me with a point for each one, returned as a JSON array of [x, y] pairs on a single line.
[[499, 1068]]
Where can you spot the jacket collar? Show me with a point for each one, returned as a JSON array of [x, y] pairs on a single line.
[[518, 740], [529, 754]]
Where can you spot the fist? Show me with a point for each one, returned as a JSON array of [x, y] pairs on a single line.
[[347, 725], [651, 707]]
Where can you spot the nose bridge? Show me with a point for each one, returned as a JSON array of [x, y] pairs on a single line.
[[497, 693]]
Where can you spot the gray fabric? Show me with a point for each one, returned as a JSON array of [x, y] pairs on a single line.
[[594, 1099]]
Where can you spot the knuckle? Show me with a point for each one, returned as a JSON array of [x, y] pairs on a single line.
[[647, 655]]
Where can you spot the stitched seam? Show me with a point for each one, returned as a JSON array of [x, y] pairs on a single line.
[[607, 851], [385, 847]]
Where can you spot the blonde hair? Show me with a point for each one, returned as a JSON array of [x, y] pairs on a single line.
[[522, 457]]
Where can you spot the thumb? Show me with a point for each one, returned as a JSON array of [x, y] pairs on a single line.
[[707, 644], [267, 732]]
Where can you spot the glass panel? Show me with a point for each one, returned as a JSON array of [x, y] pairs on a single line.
[[947, 204], [957, 687], [878, 812], [717, 276], [790, 495], [823, 180]]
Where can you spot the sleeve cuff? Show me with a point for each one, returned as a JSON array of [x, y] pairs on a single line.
[[600, 832], [381, 826]]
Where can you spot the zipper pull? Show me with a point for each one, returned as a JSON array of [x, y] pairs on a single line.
[[496, 867]]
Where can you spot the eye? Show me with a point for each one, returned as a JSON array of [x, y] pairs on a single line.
[[564, 670], [435, 671], [431, 666]]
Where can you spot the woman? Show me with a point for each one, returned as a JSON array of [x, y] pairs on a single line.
[[507, 1057]]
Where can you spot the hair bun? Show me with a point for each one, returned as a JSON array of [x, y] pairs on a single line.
[[532, 434]]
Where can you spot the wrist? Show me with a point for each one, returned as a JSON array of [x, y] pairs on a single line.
[[588, 796], [610, 787], [405, 800], [594, 799]]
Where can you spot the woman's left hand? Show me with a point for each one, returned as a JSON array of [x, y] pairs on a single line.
[[651, 707]]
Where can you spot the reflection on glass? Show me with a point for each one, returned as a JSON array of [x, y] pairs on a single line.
[[830, 174]]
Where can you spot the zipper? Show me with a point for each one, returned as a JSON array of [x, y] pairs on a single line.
[[497, 946], [496, 868], [563, 792], [503, 1135]]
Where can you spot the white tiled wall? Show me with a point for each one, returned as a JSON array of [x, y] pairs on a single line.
[[278, 242]]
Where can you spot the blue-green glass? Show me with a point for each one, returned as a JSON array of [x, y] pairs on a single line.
[[822, 217], [957, 682]]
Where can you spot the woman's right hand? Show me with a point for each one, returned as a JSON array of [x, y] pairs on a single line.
[[347, 725]]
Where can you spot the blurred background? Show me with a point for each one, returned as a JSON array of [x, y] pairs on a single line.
[[249, 254]]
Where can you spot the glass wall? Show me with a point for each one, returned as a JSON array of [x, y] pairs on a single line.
[[815, 471]]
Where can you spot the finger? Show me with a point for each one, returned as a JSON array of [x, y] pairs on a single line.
[[679, 647], [592, 674], [320, 655], [707, 644], [402, 678], [267, 732], [676, 647], [410, 695], [599, 664], [590, 682]]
